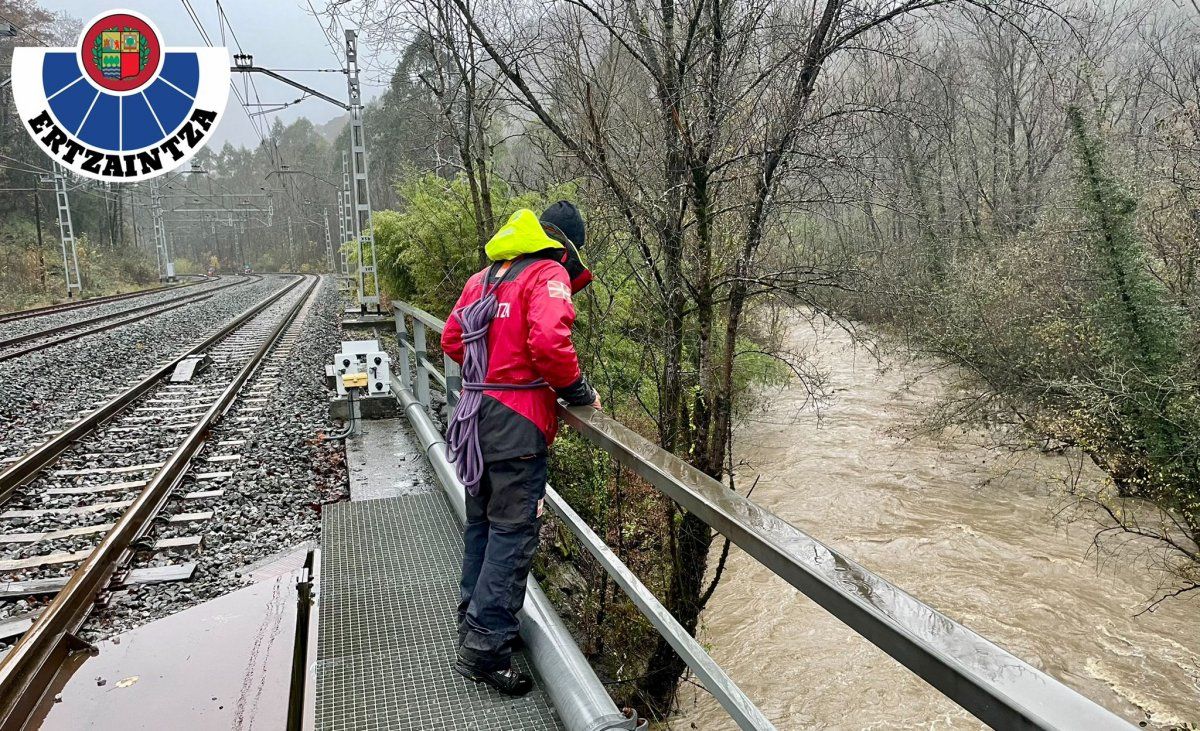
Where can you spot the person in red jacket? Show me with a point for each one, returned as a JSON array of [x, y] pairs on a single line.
[[511, 331]]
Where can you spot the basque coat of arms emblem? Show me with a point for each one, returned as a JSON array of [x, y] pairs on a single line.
[[120, 54], [120, 106]]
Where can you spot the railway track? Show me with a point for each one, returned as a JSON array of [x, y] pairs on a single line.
[[34, 340], [92, 302], [81, 505]]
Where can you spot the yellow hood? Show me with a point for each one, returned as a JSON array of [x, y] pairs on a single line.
[[522, 234]]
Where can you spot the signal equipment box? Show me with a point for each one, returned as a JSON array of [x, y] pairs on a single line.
[[361, 366]]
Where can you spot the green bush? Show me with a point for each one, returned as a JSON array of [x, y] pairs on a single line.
[[429, 249]]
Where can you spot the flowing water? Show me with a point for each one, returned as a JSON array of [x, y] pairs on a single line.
[[965, 529]]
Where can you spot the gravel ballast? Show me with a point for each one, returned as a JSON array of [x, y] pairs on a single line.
[[66, 317], [287, 470], [45, 390]]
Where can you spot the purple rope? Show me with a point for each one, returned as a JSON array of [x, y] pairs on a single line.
[[462, 435]]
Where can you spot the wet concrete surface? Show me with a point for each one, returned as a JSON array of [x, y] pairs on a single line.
[[224, 664], [386, 461]]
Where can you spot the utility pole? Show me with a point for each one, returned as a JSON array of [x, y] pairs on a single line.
[[216, 241], [341, 217], [240, 232], [360, 188], [66, 233], [347, 228], [37, 217], [133, 220], [221, 262], [328, 240], [291, 244], [237, 247], [166, 267], [355, 180]]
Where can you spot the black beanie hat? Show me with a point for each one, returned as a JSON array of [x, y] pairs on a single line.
[[564, 216]]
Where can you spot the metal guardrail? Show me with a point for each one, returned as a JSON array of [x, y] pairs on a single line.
[[576, 693], [992, 684]]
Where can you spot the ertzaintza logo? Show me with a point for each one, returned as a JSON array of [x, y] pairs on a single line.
[[120, 107]]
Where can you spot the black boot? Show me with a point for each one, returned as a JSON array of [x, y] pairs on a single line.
[[508, 682]]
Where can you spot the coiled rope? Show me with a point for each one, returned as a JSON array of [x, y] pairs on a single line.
[[462, 435]]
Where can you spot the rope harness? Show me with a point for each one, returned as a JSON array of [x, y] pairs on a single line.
[[462, 435]]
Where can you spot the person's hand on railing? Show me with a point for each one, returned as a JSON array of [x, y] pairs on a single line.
[[596, 404]]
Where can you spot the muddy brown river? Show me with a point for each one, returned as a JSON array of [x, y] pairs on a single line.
[[970, 531]]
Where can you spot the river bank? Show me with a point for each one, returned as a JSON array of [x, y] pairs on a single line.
[[973, 532]]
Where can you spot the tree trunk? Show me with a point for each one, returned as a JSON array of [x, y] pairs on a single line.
[[693, 538]]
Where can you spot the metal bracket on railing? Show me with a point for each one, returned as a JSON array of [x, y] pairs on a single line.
[[419, 354], [986, 680], [403, 344], [635, 723], [453, 383]]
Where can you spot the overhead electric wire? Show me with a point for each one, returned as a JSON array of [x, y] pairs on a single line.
[[249, 83], [330, 36], [29, 167], [81, 187], [249, 89], [19, 29], [187, 5]]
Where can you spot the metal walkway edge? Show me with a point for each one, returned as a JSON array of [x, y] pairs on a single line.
[[387, 627]]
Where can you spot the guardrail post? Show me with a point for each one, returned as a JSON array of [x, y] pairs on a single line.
[[987, 681], [422, 373], [453, 383], [404, 346]]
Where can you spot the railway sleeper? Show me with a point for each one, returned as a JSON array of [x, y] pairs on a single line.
[[107, 470], [30, 538], [153, 575], [80, 510]]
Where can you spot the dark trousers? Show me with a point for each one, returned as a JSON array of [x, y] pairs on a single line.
[[498, 544]]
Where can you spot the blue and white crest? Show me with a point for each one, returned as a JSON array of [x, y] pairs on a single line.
[[120, 107]]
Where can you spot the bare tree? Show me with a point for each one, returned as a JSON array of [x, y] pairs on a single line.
[[701, 125]]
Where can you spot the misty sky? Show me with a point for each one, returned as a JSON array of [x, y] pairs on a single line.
[[281, 34]]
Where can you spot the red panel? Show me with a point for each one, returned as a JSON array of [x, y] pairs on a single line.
[[129, 65]]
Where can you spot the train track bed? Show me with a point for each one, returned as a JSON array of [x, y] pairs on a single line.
[[23, 345], [45, 390], [31, 321], [264, 502], [51, 523]]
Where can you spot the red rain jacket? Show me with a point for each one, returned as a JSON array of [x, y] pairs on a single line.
[[529, 338]]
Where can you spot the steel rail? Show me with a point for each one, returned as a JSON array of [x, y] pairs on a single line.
[[10, 355], [28, 670], [39, 334], [28, 465], [68, 306], [986, 680], [175, 304]]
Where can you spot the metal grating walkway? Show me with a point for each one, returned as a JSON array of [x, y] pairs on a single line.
[[386, 638]]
